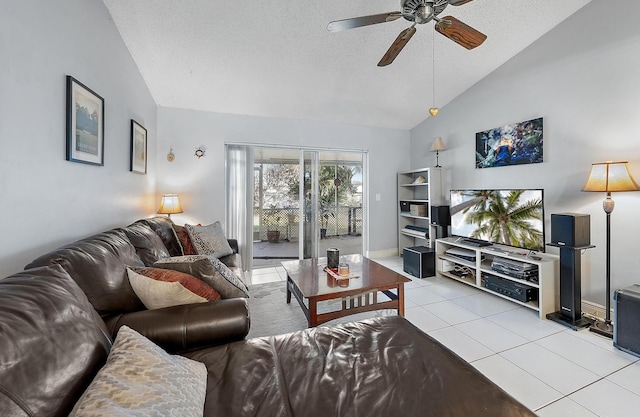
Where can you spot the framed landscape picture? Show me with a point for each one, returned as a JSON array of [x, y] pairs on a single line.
[[138, 148], [85, 124], [514, 144]]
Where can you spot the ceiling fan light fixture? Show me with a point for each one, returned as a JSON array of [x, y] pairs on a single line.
[[424, 13]]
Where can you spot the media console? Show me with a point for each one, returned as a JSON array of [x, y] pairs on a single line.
[[503, 271]]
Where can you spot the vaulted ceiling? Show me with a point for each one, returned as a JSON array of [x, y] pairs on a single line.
[[277, 59]]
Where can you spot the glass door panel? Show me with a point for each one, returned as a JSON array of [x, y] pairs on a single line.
[[276, 206], [341, 202]]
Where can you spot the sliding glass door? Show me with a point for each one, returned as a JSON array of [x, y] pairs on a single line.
[[304, 201]]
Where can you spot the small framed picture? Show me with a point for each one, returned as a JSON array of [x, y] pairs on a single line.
[[85, 124], [138, 148]]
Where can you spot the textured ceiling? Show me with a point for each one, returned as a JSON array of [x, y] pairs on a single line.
[[276, 58]]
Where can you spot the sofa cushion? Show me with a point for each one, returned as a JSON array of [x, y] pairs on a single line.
[[210, 270], [159, 288], [99, 265], [185, 240], [209, 240], [163, 226], [141, 379], [148, 244], [376, 368], [52, 343]]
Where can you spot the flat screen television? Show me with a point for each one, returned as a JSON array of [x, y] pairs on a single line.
[[508, 217]]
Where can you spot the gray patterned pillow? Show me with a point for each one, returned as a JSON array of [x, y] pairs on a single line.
[[210, 270], [209, 240], [141, 379]]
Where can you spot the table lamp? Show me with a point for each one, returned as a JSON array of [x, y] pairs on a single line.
[[438, 145], [170, 204]]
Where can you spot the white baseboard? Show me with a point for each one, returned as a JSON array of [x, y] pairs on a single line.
[[383, 253], [594, 310]]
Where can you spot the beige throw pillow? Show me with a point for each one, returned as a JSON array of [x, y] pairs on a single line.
[[209, 240], [141, 379]]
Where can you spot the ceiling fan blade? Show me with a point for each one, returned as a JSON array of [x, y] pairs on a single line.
[[460, 33], [458, 2], [397, 46], [357, 22]]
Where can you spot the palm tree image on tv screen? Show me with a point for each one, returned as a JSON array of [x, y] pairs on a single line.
[[509, 217]]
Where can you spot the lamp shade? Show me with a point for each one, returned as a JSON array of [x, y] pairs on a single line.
[[438, 145], [170, 204], [610, 176]]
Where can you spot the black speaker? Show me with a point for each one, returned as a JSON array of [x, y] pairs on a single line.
[[570, 284], [440, 216], [571, 229], [570, 313]]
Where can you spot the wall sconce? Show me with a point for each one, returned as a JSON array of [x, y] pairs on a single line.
[[438, 145], [200, 151], [170, 204], [607, 177]]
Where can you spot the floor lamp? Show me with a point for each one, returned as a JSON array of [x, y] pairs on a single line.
[[608, 177]]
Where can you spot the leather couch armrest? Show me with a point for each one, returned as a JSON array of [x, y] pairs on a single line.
[[190, 326], [234, 244]]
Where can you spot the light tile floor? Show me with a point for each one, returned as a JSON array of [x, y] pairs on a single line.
[[553, 370]]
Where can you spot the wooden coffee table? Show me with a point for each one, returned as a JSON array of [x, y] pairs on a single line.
[[306, 280]]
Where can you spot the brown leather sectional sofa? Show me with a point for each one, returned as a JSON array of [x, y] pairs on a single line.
[[58, 319]]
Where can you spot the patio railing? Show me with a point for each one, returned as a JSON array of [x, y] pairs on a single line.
[[346, 220]]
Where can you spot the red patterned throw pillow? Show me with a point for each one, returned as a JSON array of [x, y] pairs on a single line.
[[185, 240], [159, 288]]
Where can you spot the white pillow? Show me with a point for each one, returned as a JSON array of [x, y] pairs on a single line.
[[141, 379], [159, 294]]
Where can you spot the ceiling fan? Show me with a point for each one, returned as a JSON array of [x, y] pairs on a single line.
[[419, 12]]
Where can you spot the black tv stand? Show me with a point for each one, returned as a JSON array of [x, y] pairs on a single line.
[[475, 242]]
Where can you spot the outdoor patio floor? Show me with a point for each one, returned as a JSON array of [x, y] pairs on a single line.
[[284, 250]]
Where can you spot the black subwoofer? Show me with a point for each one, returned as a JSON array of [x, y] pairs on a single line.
[[626, 319], [419, 261]]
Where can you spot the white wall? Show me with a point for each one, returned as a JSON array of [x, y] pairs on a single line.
[[583, 78], [200, 182], [47, 201]]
